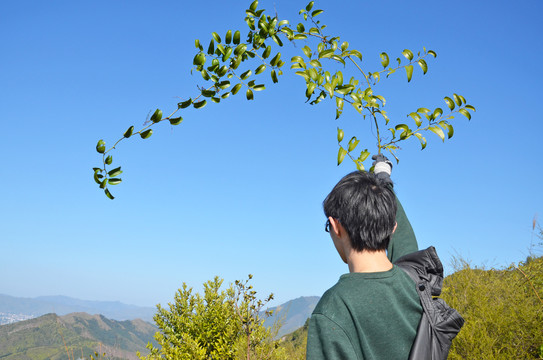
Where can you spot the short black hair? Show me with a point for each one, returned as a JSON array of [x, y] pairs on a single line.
[[366, 207]]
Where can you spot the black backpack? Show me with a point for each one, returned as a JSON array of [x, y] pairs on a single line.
[[439, 323]]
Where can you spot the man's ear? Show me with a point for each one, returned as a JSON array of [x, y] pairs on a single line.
[[395, 227], [335, 226]]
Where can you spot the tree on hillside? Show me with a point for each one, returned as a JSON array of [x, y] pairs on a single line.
[[227, 65], [221, 324]]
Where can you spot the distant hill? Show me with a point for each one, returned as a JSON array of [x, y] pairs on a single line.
[[62, 305], [51, 336], [293, 313]]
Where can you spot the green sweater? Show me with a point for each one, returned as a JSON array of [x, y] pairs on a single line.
[[369, 315]]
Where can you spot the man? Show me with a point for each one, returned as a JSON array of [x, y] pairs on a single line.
[[374, 310]]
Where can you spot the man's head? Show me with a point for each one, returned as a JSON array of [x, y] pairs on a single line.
[[366, 208]]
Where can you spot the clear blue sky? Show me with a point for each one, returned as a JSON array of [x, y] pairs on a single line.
[[237, 188]]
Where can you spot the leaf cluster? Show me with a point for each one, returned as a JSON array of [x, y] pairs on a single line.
[[234, 62]]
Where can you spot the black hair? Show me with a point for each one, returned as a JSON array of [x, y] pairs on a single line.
[[366, 207]]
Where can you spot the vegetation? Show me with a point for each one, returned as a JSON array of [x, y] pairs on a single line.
[[221, 324], [73, 336], [331, 69], [503, 310]]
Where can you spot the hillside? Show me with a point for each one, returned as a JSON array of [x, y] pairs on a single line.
[[292, 314], [44, 337], [24, 308]]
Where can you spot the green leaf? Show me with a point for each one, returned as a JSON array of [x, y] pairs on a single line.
[[228, 37], [199, 104], [438, 131], [254, 5], [344, 46], [101, 146], [338, 58], [240, 49], [227, 54], [223, 84], [197, 44], [216, 37], [408, 54], [115, 172], [341, 155], [423, 65], [356, 53], [184, 104], [422, 140], [275, 59], [448, 127], [246, 74], [300, 37], [310, 89], [437, 113], [225, 95], [329, 88], [457, 100], [470, 107], [282, 22], [339, 104], [199, 59], [339, 135], [211, 47], [109, 160], [128, 132], [216, 100], [313, 74], [208, 93], [307, 51], [433, 53], [309, 6], [344, 89], [462, 98], [274, 76], [300, 27], [266, 52], [417, 118], [353, 143], [326, 53], [259, 87], [316, 13], [409, 72], [108, 194], [249, 94], [465, 113], [176, 121], [315, 63], [114, 181], [363, 155], [157, 116], [260, 69], [236, 88], [450, 102], [384, 59], [423, 110], [236, 37], [146, 134], [97, 176]]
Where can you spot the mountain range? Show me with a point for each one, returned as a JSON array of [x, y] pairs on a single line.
[[293, 314], [18, 308], [74, 336]]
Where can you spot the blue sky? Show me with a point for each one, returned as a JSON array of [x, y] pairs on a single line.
[[237, 187]]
